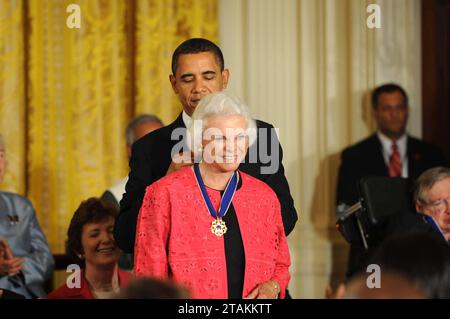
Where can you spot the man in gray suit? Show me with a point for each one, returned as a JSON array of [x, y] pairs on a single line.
[[25, 258]]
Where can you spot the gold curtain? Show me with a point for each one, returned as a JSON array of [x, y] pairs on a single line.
[[66, 95]]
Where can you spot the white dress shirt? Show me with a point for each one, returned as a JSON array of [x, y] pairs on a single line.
[[386, 144], [186, 119]]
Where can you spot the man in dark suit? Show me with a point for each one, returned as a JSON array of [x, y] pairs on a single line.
[[197, 70], [388, 152]]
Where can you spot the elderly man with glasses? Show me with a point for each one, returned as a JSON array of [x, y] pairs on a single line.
[[432, 198]]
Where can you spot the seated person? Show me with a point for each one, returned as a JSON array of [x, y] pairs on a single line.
[[91, 244], [421, 258], [25, 258], [432, 198], [430, 213], [431, 201]]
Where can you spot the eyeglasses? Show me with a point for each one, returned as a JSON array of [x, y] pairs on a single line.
[[440, 205]]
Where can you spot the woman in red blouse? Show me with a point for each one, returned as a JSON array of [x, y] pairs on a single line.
[[210, 227], [91, 244]]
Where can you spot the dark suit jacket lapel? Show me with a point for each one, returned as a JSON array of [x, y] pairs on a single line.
[[161, 152], [414, 156], [375, 156], [177, 124]]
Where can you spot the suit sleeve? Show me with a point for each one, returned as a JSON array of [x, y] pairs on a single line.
[[152, 234], [38, 264], [139, 178], [279, 184]]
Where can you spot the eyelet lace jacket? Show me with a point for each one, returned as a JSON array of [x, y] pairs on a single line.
[[174, 240]]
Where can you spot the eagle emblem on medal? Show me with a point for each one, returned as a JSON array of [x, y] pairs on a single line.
[[218, 227]]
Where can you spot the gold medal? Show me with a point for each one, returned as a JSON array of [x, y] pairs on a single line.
[[218, 227]]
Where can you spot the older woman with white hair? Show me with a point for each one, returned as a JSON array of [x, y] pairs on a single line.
[[211, 227]]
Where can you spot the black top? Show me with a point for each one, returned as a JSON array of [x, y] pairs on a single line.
[[234, 252]]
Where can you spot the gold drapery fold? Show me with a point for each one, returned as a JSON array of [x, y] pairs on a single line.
[[157, 34], [65, 102], [12, 92]]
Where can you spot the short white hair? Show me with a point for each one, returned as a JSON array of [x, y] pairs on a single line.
[[217, 104]]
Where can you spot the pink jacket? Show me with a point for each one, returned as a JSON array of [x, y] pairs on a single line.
[[173, 237]]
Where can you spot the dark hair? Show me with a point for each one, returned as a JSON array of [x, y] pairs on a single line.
[[387, 88], [420, 257], [91, 210], [197, 45], [152, 288]]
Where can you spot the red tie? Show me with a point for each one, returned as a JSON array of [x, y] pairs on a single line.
[[395, 165]]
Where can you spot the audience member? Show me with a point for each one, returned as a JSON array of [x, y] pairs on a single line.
[[91, 244], [150, 288], [420, 258], [136, 128], [25, 258]]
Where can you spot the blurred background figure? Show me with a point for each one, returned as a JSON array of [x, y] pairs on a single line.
[[150, 288], [136, 128], [25, 258], [91, 244], [391, 151], [392, 286], [415, 265], [422, 259]]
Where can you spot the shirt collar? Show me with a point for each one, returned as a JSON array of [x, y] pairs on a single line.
[[386, 143], [186, 119]]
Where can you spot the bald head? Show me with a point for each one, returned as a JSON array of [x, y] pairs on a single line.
[[139, 127]]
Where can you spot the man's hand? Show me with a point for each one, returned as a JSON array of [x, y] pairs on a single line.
[[179, 161], [268, 290]]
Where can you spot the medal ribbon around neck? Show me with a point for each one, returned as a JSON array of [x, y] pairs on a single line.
[[225, 201]]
